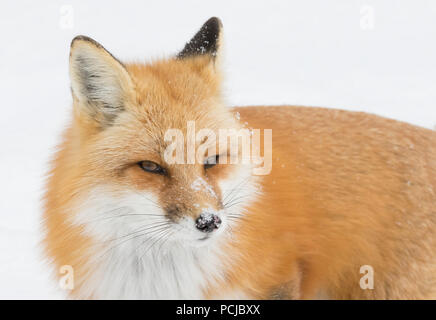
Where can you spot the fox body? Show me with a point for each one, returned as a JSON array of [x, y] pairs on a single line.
[[347, 190]]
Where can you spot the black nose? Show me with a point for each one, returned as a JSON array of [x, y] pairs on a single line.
[[207, 222]]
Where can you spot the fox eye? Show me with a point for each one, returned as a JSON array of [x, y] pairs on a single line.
[[151, 166], [211, 161]]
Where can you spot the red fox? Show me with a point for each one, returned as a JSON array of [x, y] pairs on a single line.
[[347, 209]]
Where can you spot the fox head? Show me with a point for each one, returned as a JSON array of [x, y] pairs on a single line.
[[117, 153]]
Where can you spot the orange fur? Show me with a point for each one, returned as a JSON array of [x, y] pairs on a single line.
[[346, 189]]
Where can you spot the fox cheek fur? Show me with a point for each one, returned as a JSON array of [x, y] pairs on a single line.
[[346, 190]]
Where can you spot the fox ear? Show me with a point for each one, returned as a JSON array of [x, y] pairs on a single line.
[[99, 82], [207, 41]]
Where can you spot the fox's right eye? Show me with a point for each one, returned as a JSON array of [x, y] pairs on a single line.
[[151, 167]]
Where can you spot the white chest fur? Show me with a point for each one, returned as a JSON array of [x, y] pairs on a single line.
[[173, 273], [127, 264]]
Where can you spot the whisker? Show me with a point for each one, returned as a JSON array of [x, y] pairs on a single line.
[[167, 238], [125, 215], [235, 202], [141, 229], [137, 236], [153, 233], [162, 240], [156, 204], [238, 186], [108, 212], [236, 216], [159, 235]]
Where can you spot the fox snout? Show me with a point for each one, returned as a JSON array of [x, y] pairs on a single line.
[[204, 220]]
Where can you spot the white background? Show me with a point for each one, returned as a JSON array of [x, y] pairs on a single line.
[[315, 53]]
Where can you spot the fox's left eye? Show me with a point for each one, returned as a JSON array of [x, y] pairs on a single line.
[[151, 166], [211, 161]]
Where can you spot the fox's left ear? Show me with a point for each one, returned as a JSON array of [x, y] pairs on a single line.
[[100, 83], [206, 42]]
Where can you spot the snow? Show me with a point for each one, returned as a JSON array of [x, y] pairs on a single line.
[[200, 184], [317, 53]]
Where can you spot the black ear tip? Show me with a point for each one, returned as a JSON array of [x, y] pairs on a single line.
[[212, 28], [205, 40], [214, 22]]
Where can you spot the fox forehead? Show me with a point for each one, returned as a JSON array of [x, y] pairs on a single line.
[[167, 94], [188, 85]]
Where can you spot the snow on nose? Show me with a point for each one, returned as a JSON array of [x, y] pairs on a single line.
[[207, 222]]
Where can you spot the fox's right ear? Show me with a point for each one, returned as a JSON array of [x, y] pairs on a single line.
[[100, 83]]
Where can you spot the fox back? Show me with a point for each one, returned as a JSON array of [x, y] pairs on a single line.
[[143, 200]]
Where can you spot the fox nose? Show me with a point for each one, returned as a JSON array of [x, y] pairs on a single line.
[[207, 222]]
